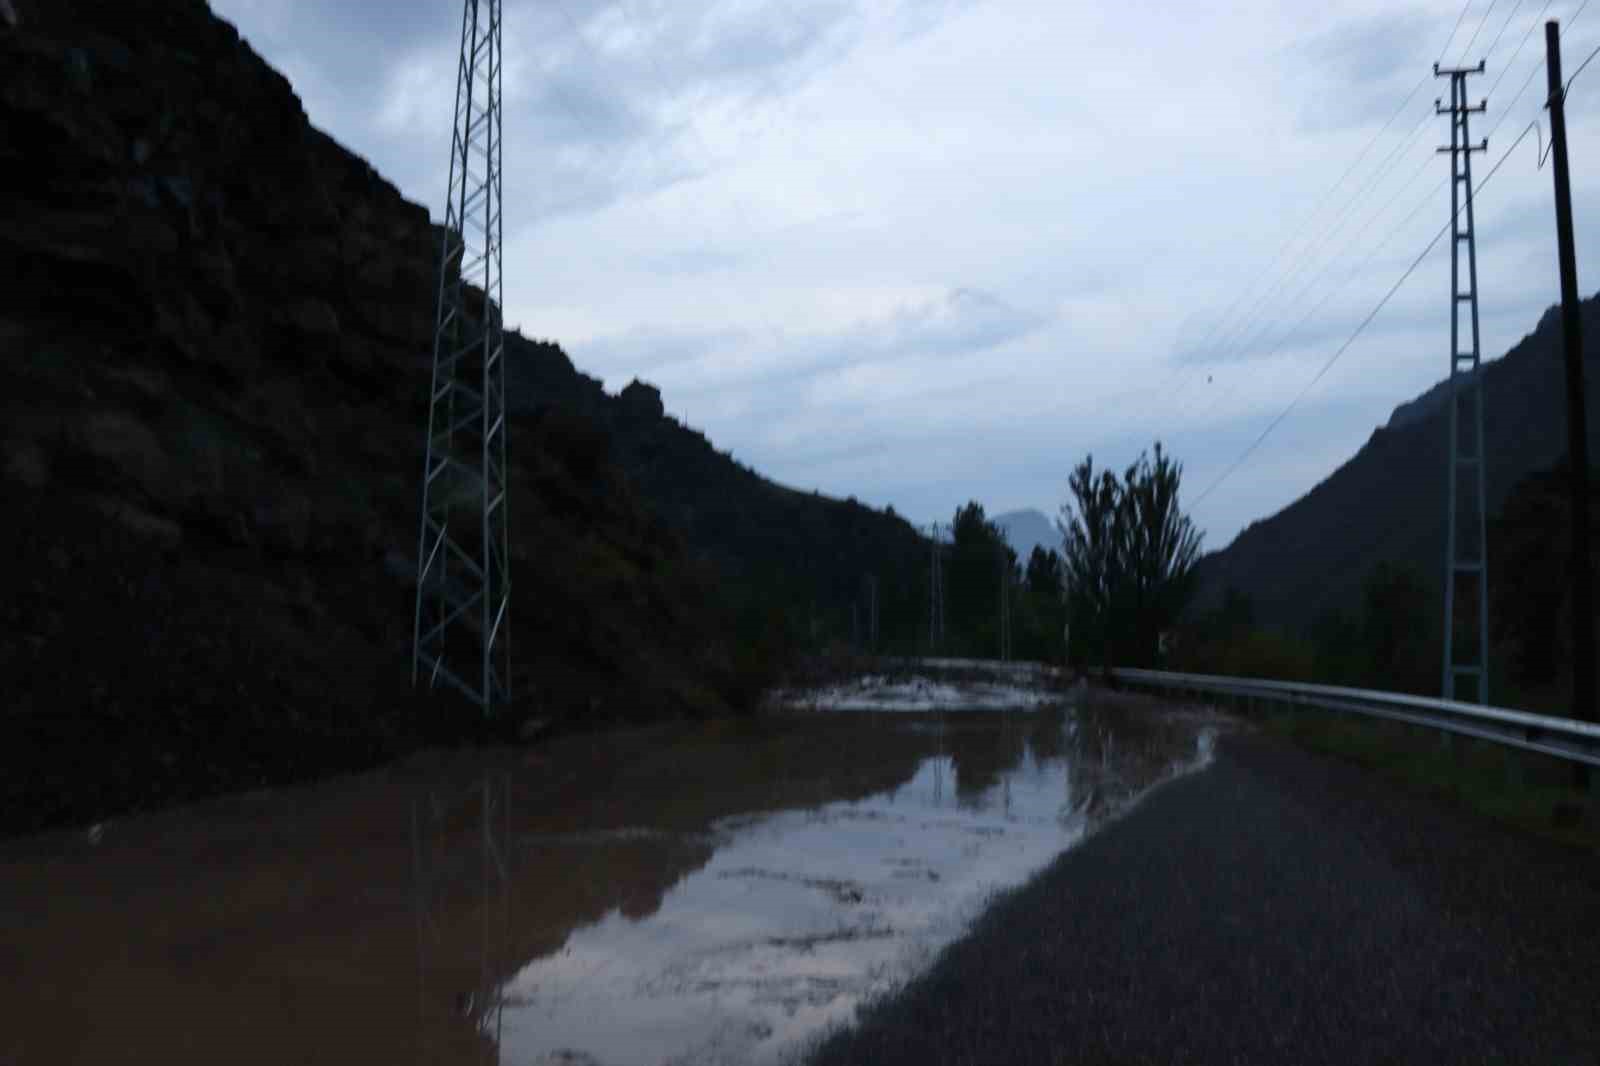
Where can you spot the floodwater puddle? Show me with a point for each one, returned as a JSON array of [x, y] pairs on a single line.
[[695, 892], [801, 915]]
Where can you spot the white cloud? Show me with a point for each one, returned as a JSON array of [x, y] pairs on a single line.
[[922, 251]]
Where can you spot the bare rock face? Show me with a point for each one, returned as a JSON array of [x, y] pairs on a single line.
[[129, 451], [283, 523], [139, 522], [640, 401], [217, 324], [27, 463]]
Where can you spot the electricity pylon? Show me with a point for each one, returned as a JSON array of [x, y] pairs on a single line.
[[462, 633], [936, 595], [1466, 545]]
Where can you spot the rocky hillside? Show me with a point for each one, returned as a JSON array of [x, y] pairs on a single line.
[[216, 325], [1387, 502], [786, 559]]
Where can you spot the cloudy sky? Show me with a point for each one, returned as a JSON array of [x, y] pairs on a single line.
[[925, 251]]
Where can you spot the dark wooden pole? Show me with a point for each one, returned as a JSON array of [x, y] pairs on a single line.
[[1577, 430]]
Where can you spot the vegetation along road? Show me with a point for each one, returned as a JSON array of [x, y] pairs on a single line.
[[1277, 907]]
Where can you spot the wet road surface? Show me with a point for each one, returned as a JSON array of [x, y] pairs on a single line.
[[1276, 907]]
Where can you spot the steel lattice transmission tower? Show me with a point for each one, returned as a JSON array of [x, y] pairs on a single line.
[[936, 594], [461, 634], [1466, 562]]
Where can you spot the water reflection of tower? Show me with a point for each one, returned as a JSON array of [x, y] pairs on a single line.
[[442, 829], [1005, 775]]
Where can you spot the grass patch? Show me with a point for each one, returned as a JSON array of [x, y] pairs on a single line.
[[1531, 792]]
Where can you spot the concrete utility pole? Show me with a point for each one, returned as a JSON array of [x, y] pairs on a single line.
[[871, 589], [461, 634], [1005, 606], [1466, 543], [1577, 429]]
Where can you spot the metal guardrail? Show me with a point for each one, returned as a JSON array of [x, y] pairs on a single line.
[[1565, 738]]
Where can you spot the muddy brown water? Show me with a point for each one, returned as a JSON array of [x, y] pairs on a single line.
[[720, 891]]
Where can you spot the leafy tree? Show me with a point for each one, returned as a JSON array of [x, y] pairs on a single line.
[[1130, 556], [1089, 540], [1160, 546], [1042, 608], [1045, 575], [978, 550]]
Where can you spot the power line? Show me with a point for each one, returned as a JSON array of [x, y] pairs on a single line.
[[1464, 8], [1184, 375], [1575, 73], [1356, 271], [1520, 44], [1323, 201], [1537, 67], [1257, 316], [1544, 151], [1486, 13], [1503, 27], [1358, 331], [1236, 327], [1184, 380], [1570, 22], [1384, 169], [1258, 336]]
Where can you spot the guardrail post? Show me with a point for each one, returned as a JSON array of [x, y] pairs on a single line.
[[1515, 778]]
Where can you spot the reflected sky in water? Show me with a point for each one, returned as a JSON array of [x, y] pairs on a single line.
[[800, 915]]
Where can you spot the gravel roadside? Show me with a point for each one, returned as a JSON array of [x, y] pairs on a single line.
[[1278, 907]]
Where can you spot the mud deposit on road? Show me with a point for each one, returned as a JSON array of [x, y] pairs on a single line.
[[715, 892]]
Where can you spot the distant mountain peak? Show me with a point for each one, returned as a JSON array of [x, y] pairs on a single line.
[[1026, 528]]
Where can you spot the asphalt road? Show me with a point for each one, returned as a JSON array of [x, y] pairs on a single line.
[[1278, 907]]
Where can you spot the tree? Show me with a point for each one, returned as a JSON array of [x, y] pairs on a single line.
[[1130, 554], [1160, 546], [1042, 606], [977, 552], [1045, 576], [1089, 536]]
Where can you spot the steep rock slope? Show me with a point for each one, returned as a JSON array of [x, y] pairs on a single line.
[[216, 325], [780, 553]]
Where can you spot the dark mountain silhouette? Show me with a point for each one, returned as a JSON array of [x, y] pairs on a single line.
[[217, 324], [1387, 502], [802, 555]]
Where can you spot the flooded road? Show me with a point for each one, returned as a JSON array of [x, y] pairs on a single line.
[[800, 916], [715, 892]]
